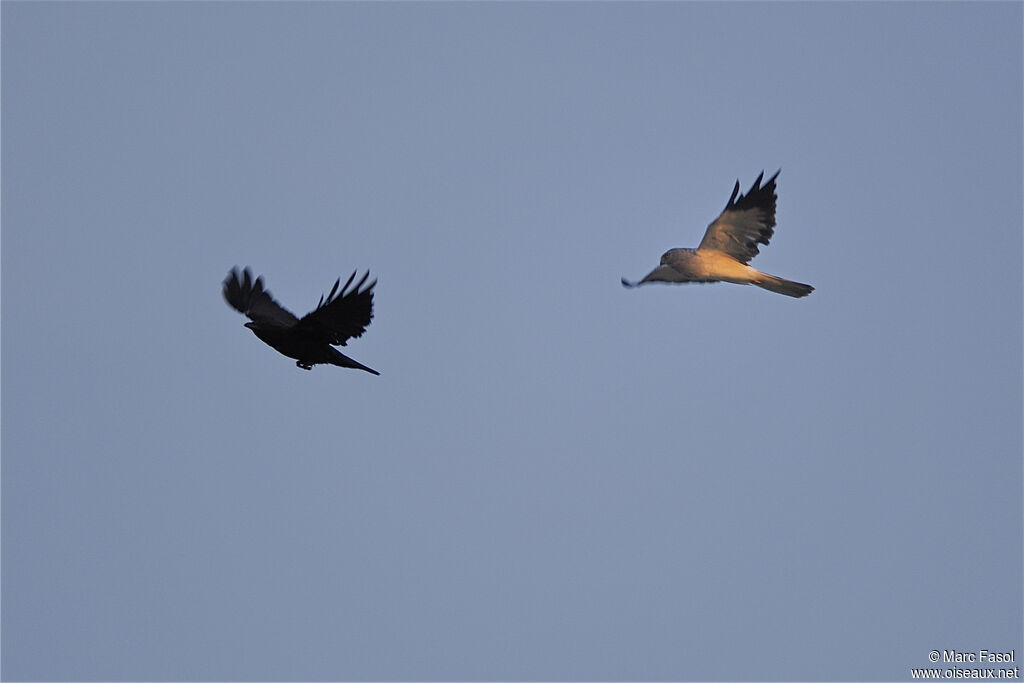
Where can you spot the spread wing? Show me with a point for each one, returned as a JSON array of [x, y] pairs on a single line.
[[746, 221], [341, 315], [249, 298]]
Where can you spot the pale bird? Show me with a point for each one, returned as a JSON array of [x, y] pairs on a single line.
[[730, 242]]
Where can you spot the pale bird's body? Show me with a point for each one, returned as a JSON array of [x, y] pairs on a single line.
[[730, 242]]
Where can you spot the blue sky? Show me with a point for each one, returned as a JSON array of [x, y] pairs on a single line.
[[554, 478]]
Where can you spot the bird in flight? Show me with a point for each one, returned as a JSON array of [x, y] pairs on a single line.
[[730, 242], [341, 315]]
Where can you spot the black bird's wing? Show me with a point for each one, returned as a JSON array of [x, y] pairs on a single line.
[[746, 221], [249, 298], [341, 315]]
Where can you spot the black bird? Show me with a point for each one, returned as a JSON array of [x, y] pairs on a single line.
[[339, 317]]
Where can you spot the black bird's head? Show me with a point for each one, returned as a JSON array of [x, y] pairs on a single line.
[[262, 330]]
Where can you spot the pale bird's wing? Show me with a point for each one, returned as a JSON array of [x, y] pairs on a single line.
[[671, 269], [341, 315], [248, 297], [663, 273], [747, 220]]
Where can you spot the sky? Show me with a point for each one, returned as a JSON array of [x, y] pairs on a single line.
[[553, 478]]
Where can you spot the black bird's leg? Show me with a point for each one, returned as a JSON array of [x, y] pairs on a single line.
[[304, 366]]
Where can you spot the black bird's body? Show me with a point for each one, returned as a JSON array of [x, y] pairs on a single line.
[[308, 351], [340, 316]]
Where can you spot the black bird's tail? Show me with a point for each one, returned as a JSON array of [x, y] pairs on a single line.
[[346, 362]]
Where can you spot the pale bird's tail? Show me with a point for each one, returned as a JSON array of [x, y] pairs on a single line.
[[780, 286]]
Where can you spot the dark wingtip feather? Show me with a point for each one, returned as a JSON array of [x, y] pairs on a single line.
[[762, 196], [349, 280], [358, 284], [732, 197], [233, 289], [757, 184]]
